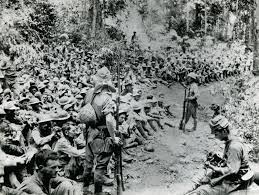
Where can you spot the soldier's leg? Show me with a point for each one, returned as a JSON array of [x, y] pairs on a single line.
[[139, 139], [147, 129], [160, 123], [103, 156], [141, 130], [89, 163], [187, 115], [194, 116], [138, 134], [130, 143], [152, 125], [208, 190]]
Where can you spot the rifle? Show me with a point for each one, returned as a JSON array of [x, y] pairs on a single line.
[[184, 111], [118, 162]]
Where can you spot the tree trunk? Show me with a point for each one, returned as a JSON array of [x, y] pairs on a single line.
[[84, 11], [255, 38], [187, 21], [205, 18], [93, 29], [95, 18]]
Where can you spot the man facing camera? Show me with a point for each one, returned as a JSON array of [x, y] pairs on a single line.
[[45, 180]]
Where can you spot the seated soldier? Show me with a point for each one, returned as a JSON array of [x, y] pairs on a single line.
[[154, 112], [150, 118], [11, 153], [45, 180], [43, 136], [70, 157], [11, 116], [131, 139], [232, 174], [138, 121]]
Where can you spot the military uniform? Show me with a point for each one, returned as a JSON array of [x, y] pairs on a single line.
[[236, 165], [100, 146], [192, 104]]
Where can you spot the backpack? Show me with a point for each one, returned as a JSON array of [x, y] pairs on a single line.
[[87, 114]]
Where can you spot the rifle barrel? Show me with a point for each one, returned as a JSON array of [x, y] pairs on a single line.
[[118, 168]]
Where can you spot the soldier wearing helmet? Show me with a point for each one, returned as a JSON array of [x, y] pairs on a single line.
[[101, 137], [235, 174]]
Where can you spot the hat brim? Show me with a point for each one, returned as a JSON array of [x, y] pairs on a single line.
[[25, 99], [45, 121], [32, 103], [62, 118], [101, 80], [63, 104], [13, 108]]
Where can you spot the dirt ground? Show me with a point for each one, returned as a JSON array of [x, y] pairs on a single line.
[[178, 157]]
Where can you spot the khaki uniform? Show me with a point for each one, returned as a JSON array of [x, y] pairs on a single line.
[[33, 185], [192, 105], [70, 158], [99, 143], [236, 165]]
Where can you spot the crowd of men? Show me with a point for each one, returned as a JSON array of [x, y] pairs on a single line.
[[172, 64], [40, 122], [41, 134]]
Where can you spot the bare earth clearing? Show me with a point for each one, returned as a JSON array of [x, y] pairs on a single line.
[[177, 157]]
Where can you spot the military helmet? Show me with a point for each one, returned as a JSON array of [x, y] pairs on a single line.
[[219, 122]]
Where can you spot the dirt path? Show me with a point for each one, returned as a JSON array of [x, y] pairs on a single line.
[[177, 157]]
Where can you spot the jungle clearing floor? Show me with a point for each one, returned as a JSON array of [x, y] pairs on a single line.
[[178, 156]]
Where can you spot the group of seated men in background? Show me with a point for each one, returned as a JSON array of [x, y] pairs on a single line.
[[39, 108]]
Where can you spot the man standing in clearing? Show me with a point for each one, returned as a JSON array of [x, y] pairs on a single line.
[[191, 100]]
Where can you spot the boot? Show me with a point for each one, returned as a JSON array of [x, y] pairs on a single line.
[[183, 127], [131, 145]]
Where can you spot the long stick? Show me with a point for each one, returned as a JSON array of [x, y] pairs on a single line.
[[118, 152], [184, 110]]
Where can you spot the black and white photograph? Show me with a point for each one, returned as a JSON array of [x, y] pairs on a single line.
[[129, 97]]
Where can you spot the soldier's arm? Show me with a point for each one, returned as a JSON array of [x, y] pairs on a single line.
[[110, 123], [70, 150], [233, 162], [40, 141]]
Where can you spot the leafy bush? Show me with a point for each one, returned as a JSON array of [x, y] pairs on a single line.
[[43, 19], [180, 27], [114, 33], [112, 7]]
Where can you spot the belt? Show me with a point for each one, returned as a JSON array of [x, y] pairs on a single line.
[[103, 132]]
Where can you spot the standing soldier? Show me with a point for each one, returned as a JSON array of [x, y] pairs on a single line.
[[192, 104], [100, 137]]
